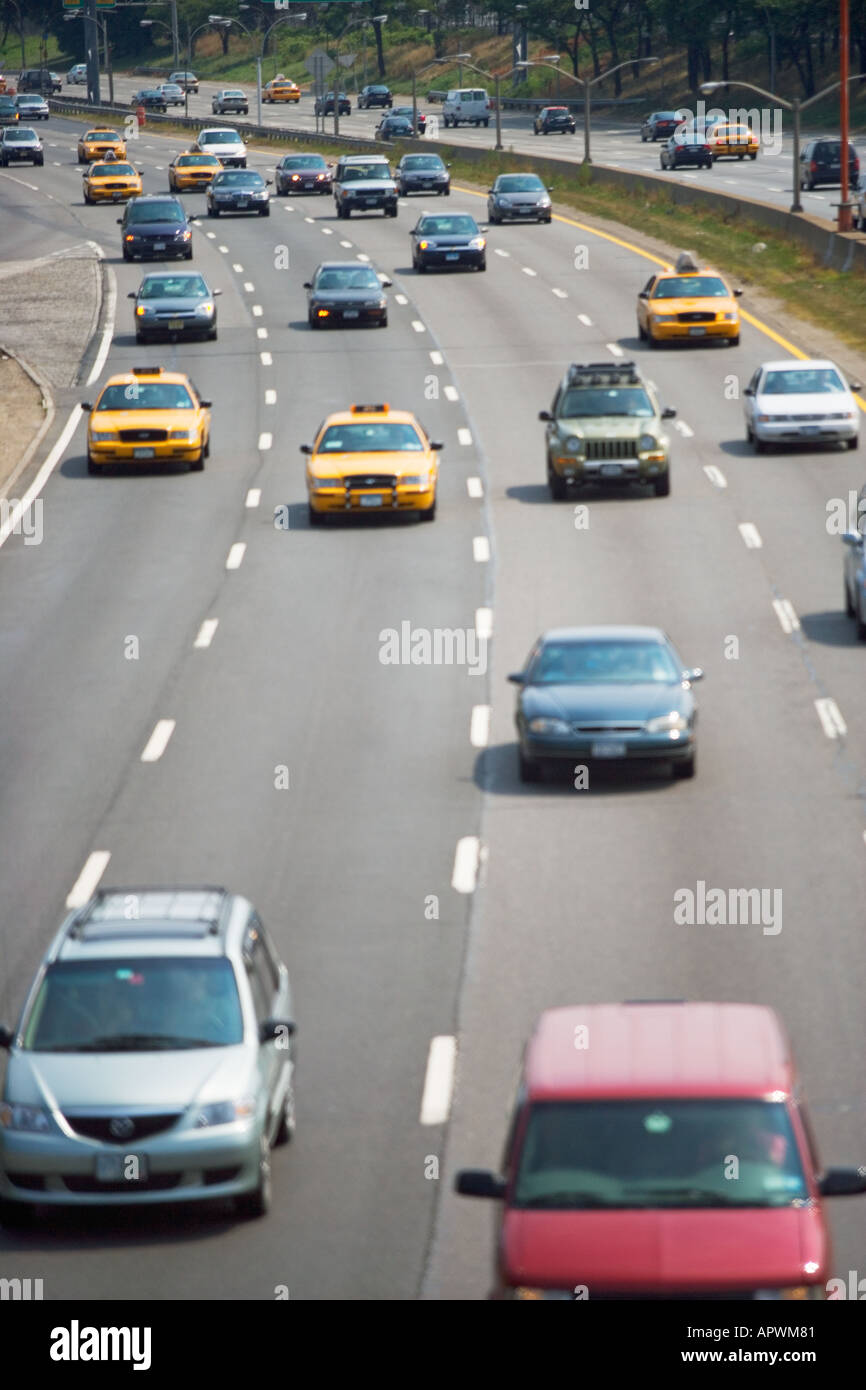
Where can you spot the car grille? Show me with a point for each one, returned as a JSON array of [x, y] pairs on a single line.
[[159, 1182], [174, 314], [143, 436], [611, 448], [110, 186], [373, 480], [99, 1126], [697, 316], [602, 727]]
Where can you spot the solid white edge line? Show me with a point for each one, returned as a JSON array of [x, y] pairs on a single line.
[[85, 885], [439, 1080], [236, 555], [48, 467], [466, 860], [108, 330], [206, 632], [158, 741], [479, 728]]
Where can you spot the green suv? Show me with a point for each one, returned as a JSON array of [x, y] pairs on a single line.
[[605, 426]]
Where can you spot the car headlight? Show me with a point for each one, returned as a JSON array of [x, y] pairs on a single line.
[[667, 723], [646, 442], [374, 303], [665, 318], [478, 243], [225, 1112], [549, 726], [205, 308], [544, 202], [102, 436], [574, 444], [729, 317], [185, 236], [415, 480], [503, 202], [186, 436], [326, 482], [26, 1119]]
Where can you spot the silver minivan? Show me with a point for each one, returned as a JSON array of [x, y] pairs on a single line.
[[469, 105]]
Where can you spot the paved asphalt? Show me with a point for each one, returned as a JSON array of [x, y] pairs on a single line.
[[575, 897], [615, 141]]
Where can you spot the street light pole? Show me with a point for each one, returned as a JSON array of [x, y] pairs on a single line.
[[587, 86], [175, 41]]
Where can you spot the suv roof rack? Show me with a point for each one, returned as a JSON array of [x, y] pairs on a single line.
[[603, 374], [194, 910]]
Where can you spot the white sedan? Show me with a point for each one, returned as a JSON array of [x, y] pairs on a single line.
[[808, 402]]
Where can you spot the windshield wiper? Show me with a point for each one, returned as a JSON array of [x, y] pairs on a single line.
[[566, 1199], [141, 1042]]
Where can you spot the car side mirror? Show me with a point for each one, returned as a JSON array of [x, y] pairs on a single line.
[[516, 677], [476, 1182], [120, 221], [852, 538], [749, 391], [306, 448], [6, 1036], [216, 292], [843, 1182], [737, 294], [644, 294], [132, 295], [436, 444], [206, 405], [856, 386], [308, 285], [694, 673], [269, 182], [490, 190], [386, 284], [668, 413], [272, 1029], [87, 405], [544, 415]]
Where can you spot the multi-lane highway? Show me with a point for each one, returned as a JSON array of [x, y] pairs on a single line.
[[616, 140], [415, 888]]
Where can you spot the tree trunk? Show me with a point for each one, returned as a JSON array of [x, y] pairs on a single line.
[[692, 61], [574, 47], [593, 46], [224, 40], [380, 56], [706, 62], [610, 30]]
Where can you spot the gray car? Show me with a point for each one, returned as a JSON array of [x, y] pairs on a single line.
[[173, 93], [153, 1060], [422, 173], [32, 107], [20, 145], [230, 99], [238, 190], [854, 569], [176, 303], [519, 196]]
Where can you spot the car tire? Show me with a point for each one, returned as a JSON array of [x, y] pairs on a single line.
[[653, 341], [312, 322], [686, 768], [315, 518], [735, 341], [213, 212], [849, 607], [641, 332], [447, 193], [250, 1206], [383, 322], [187, 255], [127, 256], [92, 468], [265, 212], [286, 1129], [662, 484], [428, 513], [197, 465], [761, 446], [139, 337], [16, 1215], [852, 443], [750, 438], [212, 337], [482, 264], [528, 769], [557, 486], [421, 267], [486, 124], [661, 163]]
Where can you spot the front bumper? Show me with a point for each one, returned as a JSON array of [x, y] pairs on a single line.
[[629, 747], [373, 202], [157, 249], [112, 195], [411, 185], [361, 500], [524, 214], [175, 325], [24, 156], [186, 1165], [192, 183], [591, 472], [290, 185], [239, 204], [347, 313], [454, 257], [804, 432], [680, 331], [172, 451]]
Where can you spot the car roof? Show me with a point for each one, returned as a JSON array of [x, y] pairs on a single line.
[[203, 921], [605, 632], [142, 374], [346, 417], [791, 364], [663, 1050], [343, 265]]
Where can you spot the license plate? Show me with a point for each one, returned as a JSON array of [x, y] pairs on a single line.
[[371, 501], [452, 255], [175, 323], [159, 246], [351, 313], [697, 332], [611, 470], [111, 1167], [243, 202], [371, 202], [607, 748], [143, 453], [810, 429], [425, 185]]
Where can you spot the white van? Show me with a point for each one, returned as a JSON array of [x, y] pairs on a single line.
[[471, 105]]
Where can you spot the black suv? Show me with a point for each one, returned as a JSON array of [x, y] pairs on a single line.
[[38, 80], [660, 125], [155, 225], [375, 95], [821, 162], [552, 119], [325, 105]]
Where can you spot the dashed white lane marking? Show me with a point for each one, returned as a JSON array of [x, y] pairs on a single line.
[[400, 299], [362, 256], [560, 294], [480, 549], [253, 497], [585, 319], [266, 359], [685, 430], [327, 231], [527, 270], [437, 359], [439, 1081], [484, 623], [715, 475], [451, 393], [261, 332], [257, 311], [270, 397], [56, 163], [464, 436], [418, 326], [750, 534], [239, 270], [474, 487], [832, 723], [786, 614], [160, 167], [346, 245], [236, 556], [615, 349], [265, 440], [249, 287], [309, 219], [206, 632], [479, 728], [499, 252], [224, 249], [465, 873], [211, 236], [158, 741], [86, 883], [286, 208]]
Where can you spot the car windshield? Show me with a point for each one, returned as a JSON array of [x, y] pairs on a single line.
[[303, 161], [423, 161], [362, 278], [155, 212], [247, 178], [599, 400], [806, 382], [109, 171], [689, 140], [372, 438], [519, 183], [20, 133], [448, 226], [691, 287], [173, 286], [185, 161], [105, 137], [664, 116], [235, 93], [650, 1154], [135, 1005], [604, 663], [221, 137], [146, 395], [353, 172]]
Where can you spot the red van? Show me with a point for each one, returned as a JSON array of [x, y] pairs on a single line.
[[661, 1150]]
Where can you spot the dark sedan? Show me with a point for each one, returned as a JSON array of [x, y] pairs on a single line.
[[448, 241], [617, 694], [325, 105], [155, 225], [8, 111], [304, 173], [422, 173], [238, 190], [408, 112], [686, 151], [394, 128], [174, 303], [518, 196], [346, 292], [554, 120], [151, 98], [374, 95], [660, 125]]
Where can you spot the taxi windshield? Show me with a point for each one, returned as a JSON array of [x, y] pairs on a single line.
[[372, 438], [108, 171], [185, 161], [104, 137], [599, 400], [691, 287], [146, 395]]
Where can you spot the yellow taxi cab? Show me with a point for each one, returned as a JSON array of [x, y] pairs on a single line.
[[96, 143], [148, 415], [735, 141], [281, 89], [371, 458], [192, 170], [110, 182], [688, 301]]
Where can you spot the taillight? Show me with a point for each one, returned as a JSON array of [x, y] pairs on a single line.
[[813, 166]]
